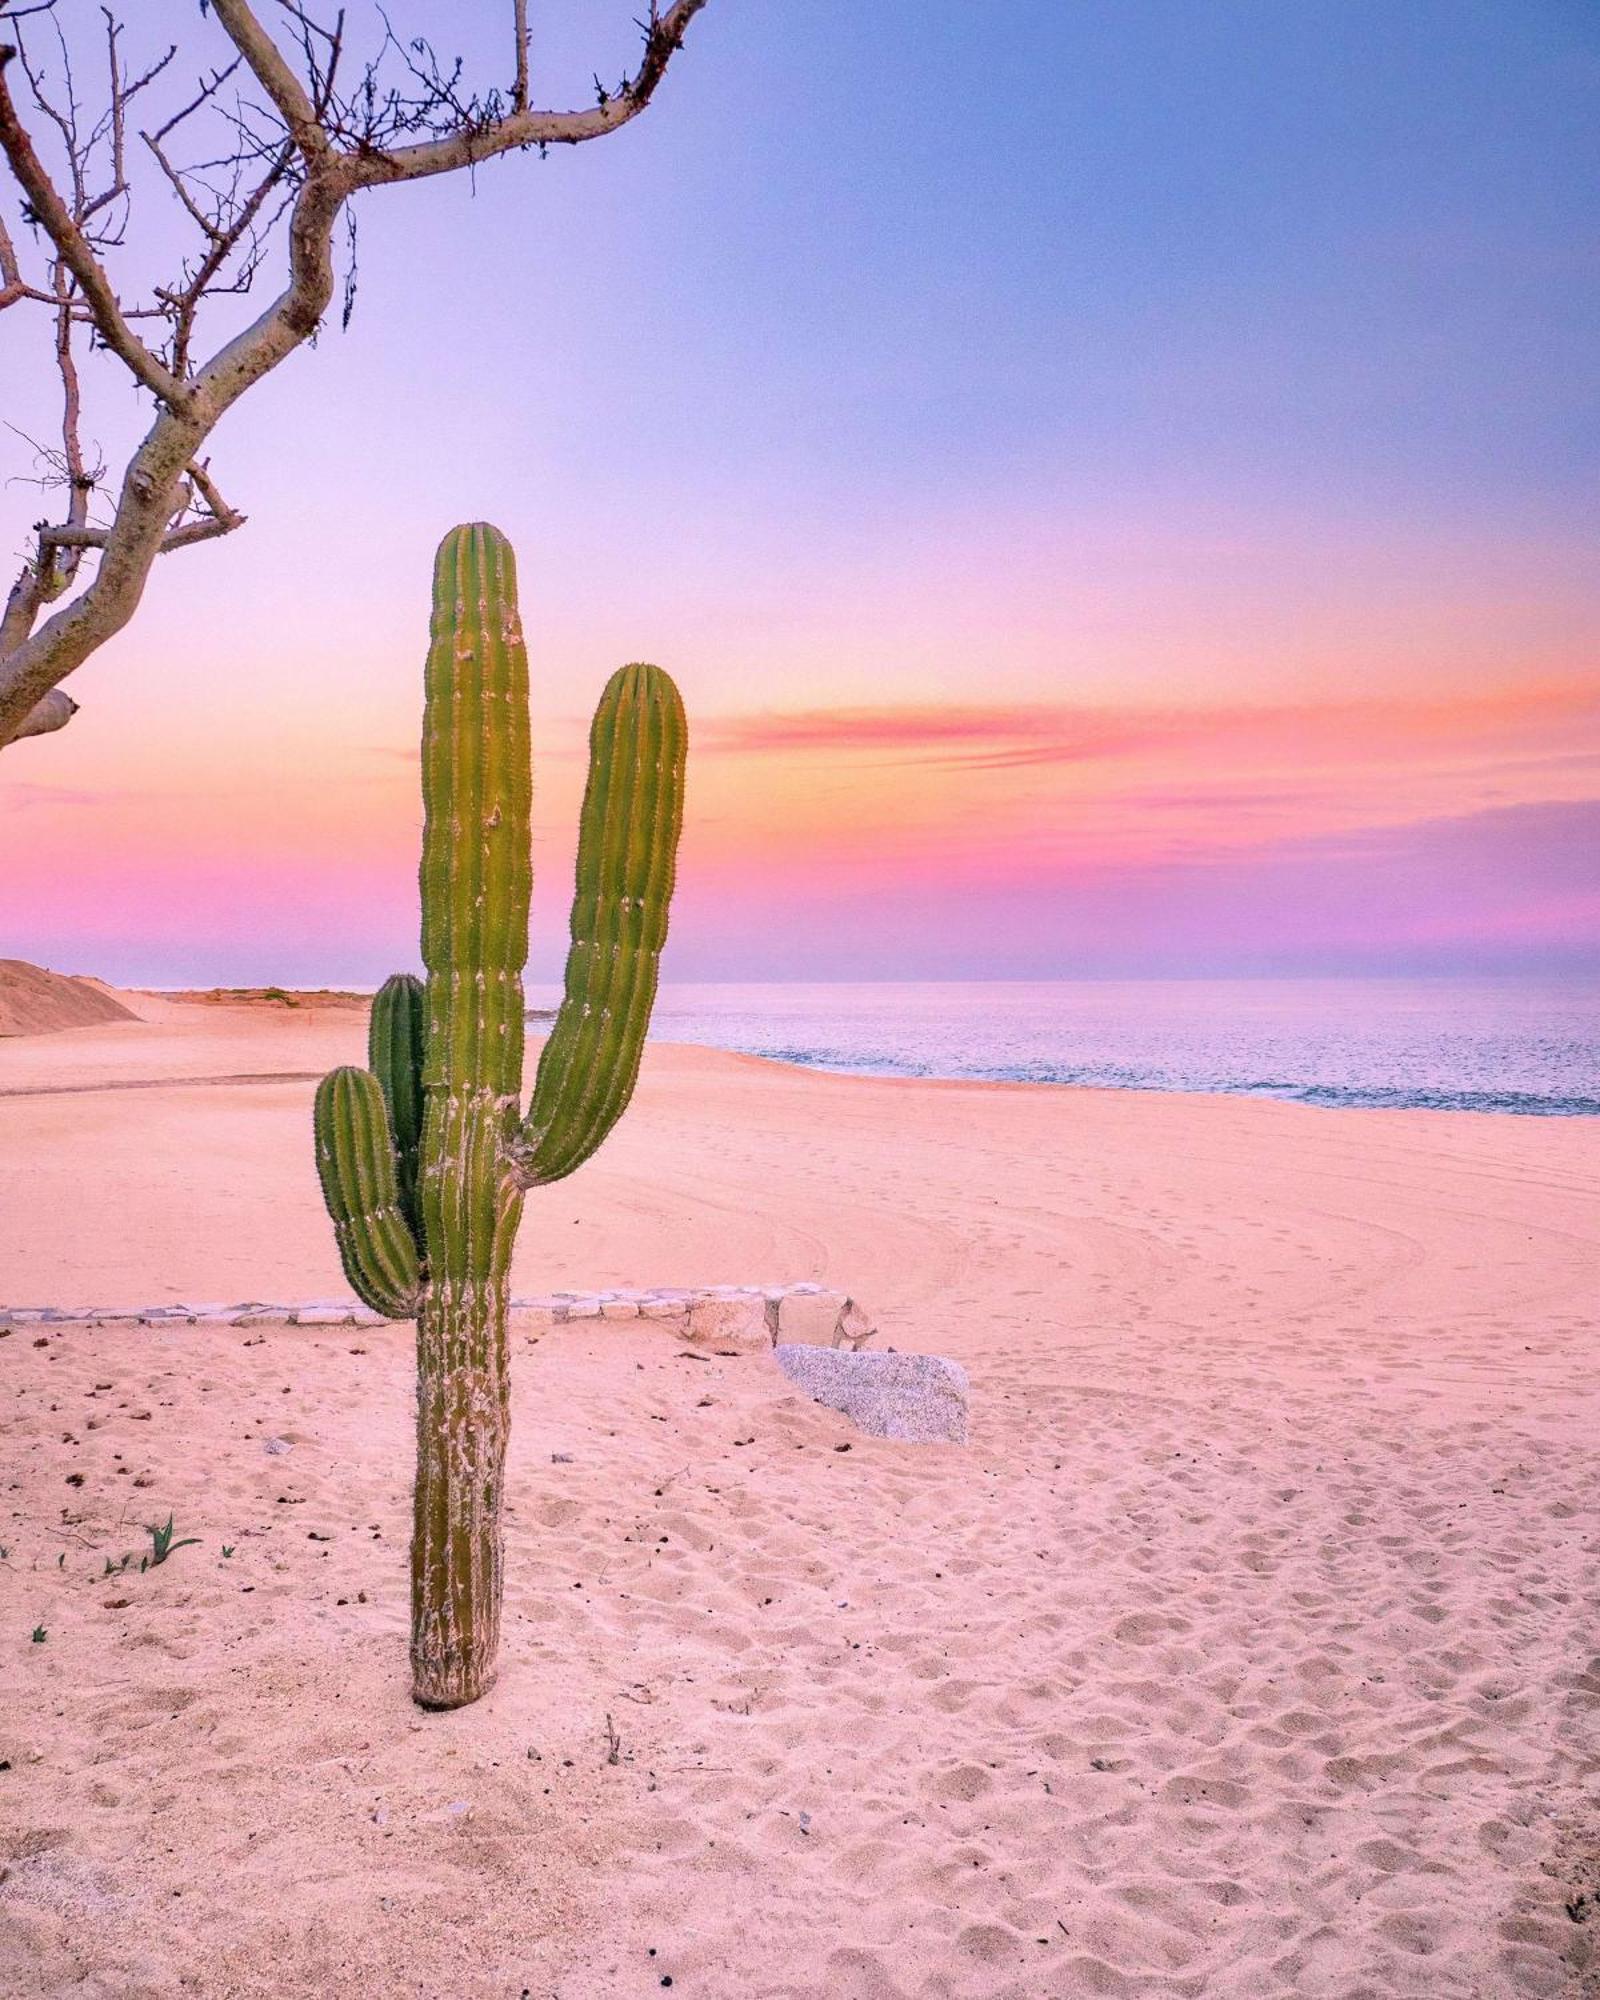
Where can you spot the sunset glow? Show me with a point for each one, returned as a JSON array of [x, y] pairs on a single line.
[[1151, 541]]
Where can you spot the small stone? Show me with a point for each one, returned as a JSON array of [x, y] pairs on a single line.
[[620, 1309], [913, 1398], [276, 1447], [663, 1308], [319, 1316], [579, 1309], [854, 1329]]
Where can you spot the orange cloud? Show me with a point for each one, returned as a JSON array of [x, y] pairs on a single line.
[[1006, 735]]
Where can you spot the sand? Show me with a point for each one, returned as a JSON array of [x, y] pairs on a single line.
[[1250, 1648]]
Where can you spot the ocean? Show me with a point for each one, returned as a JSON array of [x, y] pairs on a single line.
[[1521, 1045]]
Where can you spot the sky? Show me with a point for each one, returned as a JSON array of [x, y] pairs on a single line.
[[1115, 483]]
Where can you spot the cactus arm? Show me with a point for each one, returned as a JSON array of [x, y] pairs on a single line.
[[356, 1165], [394, 1055], [627, 859]]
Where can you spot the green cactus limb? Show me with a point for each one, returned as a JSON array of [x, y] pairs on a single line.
[[394, 1055], [627, 859], [357, 1167]]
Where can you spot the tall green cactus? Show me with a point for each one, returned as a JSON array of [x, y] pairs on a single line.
[[424, 1156]]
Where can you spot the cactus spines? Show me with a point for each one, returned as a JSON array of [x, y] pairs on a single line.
[[627, 855], [424, 1157], [356, 1165], [394, 1055]]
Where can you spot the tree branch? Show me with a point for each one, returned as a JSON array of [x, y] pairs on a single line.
[[375, 167], [265, 61], [519, 23], [315, 148], [75, 251]]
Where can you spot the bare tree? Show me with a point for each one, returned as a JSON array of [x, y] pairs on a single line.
[[262, 155]]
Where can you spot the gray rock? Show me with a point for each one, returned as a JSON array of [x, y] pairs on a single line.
[[915, 1398]]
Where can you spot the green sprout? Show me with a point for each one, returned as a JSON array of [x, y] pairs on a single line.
[[162, 1544]]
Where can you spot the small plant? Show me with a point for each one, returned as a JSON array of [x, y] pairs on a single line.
[[39, 1635], [162, 1544], [228, 1549]]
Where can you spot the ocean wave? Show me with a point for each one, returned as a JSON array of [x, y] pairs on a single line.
[[1330, 1096]]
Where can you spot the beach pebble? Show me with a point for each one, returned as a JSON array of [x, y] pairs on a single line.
[[913, 1398], [855, 1329]]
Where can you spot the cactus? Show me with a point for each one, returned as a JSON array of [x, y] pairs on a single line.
[[425, 1156]]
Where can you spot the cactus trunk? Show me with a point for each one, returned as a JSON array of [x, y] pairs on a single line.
[[475, 883], [424, 1156], [457, 1550]]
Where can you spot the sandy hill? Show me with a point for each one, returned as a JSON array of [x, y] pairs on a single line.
[[35, 1002]]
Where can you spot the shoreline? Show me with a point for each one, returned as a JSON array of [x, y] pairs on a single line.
[[301, 1007]]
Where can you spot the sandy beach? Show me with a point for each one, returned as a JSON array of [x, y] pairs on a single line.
[[1249, 1650]]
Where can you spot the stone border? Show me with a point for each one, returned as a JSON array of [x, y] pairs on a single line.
[[747, 1315]]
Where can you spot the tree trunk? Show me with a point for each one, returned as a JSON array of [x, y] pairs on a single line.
[[463, 1420]]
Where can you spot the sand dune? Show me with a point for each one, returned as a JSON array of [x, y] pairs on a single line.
[[36, 1002], [1250, 1650]]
